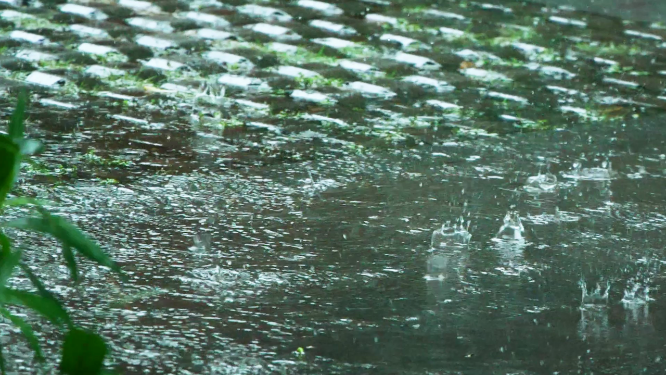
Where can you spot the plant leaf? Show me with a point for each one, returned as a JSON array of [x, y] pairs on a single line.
[[66, 233], [10, 162], [47, 307], [26, 329], [3, 369], [71, 262], [29, 146], [25, 201], [5, 245], [8, 262], [43, 292], [17, 122], [83, 353]]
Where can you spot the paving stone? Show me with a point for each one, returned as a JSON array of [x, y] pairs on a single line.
[[337, 67]]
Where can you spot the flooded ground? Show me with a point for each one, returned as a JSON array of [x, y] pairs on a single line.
[[269, 189]]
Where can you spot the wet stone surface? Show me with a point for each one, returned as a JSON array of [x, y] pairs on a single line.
[[270, 176]]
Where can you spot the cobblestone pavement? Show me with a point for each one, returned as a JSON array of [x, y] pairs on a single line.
[[282, 75]]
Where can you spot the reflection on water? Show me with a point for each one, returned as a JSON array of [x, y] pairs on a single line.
[[231, 273], [593, 324]]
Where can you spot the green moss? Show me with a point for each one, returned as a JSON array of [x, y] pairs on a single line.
[[416, 9], [619, 69], [609, 49], [35, 167], [318, 81], [515, 33], [300, 56], [405, 25], [93, 159], [55, 64], [215, 120], [360, 50], [29, 23]]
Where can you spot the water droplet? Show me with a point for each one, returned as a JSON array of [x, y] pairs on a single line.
[[451, 235], [596, 297], [603, 173], [636, 293], [541, 183], [512, 229]]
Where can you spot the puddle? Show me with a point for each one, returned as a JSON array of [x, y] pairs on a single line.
[[392, 188]]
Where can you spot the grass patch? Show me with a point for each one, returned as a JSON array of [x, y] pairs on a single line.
[[609, 49]]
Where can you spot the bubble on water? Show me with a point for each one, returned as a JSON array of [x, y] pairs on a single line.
[[596, 297], [454, 234], [541, 183], [512, 229]]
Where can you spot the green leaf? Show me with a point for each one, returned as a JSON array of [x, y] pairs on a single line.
[[8, 262], [26, 329], [66, 233], [5, 245], [3, 369], [24, 201], [29, 146], [83, 353], [47, 307], [43, 292], [71, 262], [10, 162], [17, 122]]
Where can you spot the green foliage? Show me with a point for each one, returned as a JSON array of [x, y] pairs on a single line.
[[83, 352]]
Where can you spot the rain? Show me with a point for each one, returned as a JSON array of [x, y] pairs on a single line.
[[346, 187]]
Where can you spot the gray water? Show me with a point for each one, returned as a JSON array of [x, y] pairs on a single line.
[[232, 271], [257, 223]]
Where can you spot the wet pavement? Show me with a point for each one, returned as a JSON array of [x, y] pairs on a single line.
[[270, 179], [638, 10]]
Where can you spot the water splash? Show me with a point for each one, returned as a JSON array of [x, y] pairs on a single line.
[[596, 297], [636, 293], [577, 172], [541, 183], [202, 243], [512, 229], [454, 234]]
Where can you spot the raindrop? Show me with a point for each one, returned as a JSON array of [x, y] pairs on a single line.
[[577, 172], [541, 183], [596, 297], [454, 234], [512, 229], [636, 293], [202, 242]]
